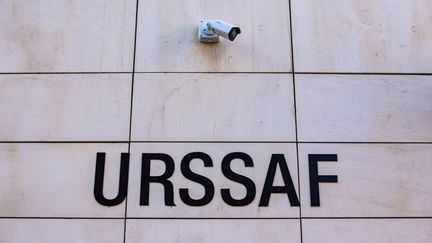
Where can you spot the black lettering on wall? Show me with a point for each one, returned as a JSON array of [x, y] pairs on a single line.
[[204, 181], [288, 188], [245, 181], [99, 180], [315, 178], [146, 178]]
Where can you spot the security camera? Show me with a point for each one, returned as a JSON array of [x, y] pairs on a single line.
[[209, 31]]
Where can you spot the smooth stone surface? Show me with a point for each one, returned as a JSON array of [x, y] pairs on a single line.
[[75, 107], [364, 108], [213, 107], [61, 230], [279, 205], [167, 38], [57, 180], [367, 230], [213, 231], [67, 36], [374, 180], [390, 36]]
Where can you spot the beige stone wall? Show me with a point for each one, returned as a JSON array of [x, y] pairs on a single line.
[[345, 77]]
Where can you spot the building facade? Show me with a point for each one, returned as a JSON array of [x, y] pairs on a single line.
[[313, 125]]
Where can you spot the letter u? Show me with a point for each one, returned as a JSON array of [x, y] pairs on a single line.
[[99, 179]]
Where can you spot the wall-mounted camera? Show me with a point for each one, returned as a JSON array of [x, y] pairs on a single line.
[[209, 31]]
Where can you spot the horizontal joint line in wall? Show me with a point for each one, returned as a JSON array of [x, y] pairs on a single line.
[[41, 142], [56, 218], [30, 73], [335, 142], [213, 218], [297, 73], [225, 218], [219, 72], [212, 141], [382, 218], [205, 142], [360, 73], [157, 218], [126, 141]]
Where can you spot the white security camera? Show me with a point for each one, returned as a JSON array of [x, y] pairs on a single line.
[[209, 31]]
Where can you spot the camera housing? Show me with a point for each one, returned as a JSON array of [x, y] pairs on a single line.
[[209, 31]]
